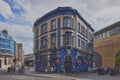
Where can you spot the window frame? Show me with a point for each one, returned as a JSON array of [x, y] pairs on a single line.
[[53, 26], [43, 28], [70, 37], [66, 23], [43, 46], [53, 36]]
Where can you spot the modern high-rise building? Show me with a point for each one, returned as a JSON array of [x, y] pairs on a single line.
[[107, 45], [7, 49], [63, 39]]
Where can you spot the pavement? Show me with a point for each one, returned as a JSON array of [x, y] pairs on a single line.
[[73, 76], [66, 76], [48, 75]]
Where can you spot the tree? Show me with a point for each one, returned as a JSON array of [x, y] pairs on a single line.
[[117, 58]]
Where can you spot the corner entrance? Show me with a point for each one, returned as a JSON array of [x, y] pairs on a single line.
[[68, 63]]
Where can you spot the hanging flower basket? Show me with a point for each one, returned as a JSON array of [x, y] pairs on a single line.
[[86, 62], [57, 61], [89, 62], [38, 60], [79, 62]]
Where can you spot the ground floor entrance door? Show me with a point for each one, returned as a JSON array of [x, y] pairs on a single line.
[[68, 63]]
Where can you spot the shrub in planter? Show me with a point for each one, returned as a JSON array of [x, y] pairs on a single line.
[[61, 71], [74, 71]]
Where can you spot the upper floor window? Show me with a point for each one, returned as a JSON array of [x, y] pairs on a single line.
[[36, 44], [43, 42], [37, 32], [83, 44], [83, 30], [107, 33], [79, 27], [104, 34], [53, 24], [79, 41], [44, 28], [68, 39], [53, 40], [101, 36], [68, 22], [86, 34], [91, 36]]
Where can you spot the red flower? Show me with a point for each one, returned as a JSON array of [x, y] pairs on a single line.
[[79, 62], [89, 62], [57, 61], [86, 62]]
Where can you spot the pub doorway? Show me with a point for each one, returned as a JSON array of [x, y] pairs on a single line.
[[68, 63]]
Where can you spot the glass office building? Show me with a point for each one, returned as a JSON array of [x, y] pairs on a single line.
[[7, 49], [63, 40]]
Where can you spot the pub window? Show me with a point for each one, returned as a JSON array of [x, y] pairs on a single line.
[[43, 42], [53, 40], [44, 28], [53, 24], [79, 42], [86, 33], [82, 30], [68, 39], [68, 22], [78, 26]]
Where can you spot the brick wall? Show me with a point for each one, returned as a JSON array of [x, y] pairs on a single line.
[[108, 48]]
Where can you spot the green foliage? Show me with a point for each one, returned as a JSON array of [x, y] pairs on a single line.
[[61, 71], [117, 58], [74, 71]]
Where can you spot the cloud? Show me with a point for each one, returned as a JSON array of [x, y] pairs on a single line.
[[5, 10], [105, 17], [91, 10], [99, 13], [21, 34]]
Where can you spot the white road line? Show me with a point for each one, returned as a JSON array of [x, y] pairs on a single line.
[[23, 78]]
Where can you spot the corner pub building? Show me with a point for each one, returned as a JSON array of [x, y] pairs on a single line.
[[63, 40]]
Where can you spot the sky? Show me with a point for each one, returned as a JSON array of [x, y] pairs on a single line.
[[18, 16]]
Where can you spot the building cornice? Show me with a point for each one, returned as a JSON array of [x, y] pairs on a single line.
[[61, 11]]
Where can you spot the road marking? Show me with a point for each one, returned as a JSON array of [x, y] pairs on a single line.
[[22, 77]]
